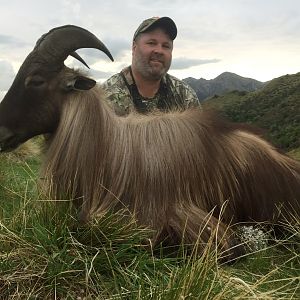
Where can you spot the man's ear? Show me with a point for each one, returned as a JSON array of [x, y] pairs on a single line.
[[80, 83], [133, 46]]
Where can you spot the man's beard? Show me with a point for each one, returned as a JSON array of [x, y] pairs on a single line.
[[149, 71]]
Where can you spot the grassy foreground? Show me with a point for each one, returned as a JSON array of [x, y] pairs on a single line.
[[46, 254]]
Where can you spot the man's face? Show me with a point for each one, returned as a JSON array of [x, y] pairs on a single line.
[[152, 54]]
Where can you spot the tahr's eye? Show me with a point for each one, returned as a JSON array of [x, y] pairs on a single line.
[[35, 81]]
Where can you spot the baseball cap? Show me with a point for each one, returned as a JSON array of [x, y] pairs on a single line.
[[163, 22]]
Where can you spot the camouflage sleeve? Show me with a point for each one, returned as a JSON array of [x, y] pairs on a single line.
[[118, 94], [187, 95], [190, 97]]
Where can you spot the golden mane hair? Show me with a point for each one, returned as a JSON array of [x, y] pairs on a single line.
[[174, 172]]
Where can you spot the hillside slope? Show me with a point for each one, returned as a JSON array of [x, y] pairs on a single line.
[[275, 107]]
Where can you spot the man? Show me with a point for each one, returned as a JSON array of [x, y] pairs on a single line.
[[145, 85]]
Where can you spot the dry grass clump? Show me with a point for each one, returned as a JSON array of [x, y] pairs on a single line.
[[29, 149]]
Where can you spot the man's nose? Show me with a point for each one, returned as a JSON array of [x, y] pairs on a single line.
[[158, 49]]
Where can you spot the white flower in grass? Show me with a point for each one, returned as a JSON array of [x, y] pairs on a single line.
[[254, 238]]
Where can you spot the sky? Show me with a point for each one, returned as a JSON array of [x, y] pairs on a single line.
[[258, 39]]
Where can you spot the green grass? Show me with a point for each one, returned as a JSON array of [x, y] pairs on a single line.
[[295, 153], [275, 108], [46, 254]]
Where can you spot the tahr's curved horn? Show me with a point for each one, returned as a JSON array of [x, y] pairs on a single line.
[[78, 57], [62, 41]]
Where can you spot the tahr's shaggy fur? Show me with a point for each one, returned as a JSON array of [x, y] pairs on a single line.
[[186, 175], [169, 169]]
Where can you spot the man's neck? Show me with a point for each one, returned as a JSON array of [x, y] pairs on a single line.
[[146, 87]]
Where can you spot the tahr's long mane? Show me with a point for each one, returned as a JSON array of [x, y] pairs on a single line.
[[169, 169], [174, 172]]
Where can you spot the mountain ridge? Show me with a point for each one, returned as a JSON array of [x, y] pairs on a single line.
[[225, 82]]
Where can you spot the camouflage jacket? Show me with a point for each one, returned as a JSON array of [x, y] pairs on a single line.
[[173, 93]]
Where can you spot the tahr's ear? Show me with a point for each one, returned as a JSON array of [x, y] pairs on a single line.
[[80, 83]]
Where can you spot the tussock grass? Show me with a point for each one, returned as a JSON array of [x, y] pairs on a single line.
[[46, 254]]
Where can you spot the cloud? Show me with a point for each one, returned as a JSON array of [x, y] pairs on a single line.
[[244, 34], [7, 75], [117, 47], [99, 74], [92, 72], [8, 41], [181, 63]]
